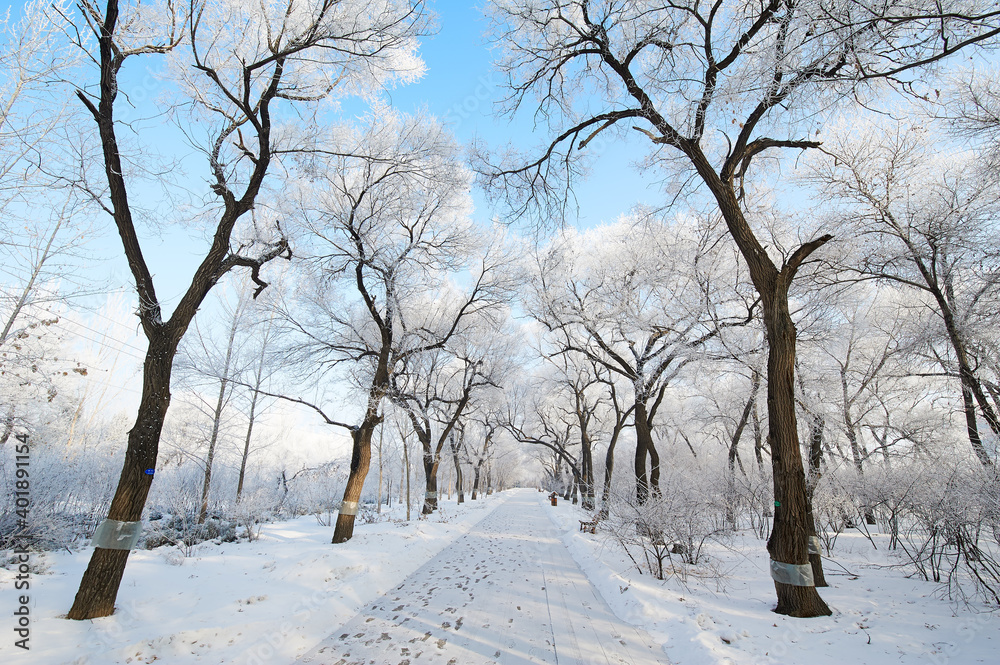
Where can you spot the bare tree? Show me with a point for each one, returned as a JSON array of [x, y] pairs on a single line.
[[392, 226], [621, 412], [42, 228], [435, 389], [625, 305], [718, 86], [930, 226], [236, 65], [256, 375]]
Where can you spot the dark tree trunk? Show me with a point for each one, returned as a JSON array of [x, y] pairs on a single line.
[[734, 456], [458, 476], [431, 484], [758, 438], [246, 446], [587, 472], [971, 387], [609, 469], [792, 525], [475, 480], [643, 443], [361, 458], [815, 473], [654, 466], [790, 530], [99, 586]]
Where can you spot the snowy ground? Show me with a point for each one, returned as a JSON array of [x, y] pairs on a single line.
[[879, 616], [277, 599], [265, 601], [507, 593]]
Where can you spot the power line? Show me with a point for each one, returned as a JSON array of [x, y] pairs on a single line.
[[107, 336], [99, 342]]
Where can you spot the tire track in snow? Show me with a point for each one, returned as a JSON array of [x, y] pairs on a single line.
[[506, 593]]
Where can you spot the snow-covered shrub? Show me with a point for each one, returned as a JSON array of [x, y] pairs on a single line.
[[835, 503], [667, 533], [942, 537], [253, 510], [184, 529], [316, 490], [70, 489]]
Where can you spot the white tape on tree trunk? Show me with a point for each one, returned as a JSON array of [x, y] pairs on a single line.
[[431, 495], [115, 535], [815, 546], [793, 574], [349, 508]]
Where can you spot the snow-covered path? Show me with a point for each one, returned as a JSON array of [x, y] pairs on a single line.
[[508, 592]]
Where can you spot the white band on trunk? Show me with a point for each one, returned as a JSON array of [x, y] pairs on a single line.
[[115, 535], [793, 574], [349, 508]]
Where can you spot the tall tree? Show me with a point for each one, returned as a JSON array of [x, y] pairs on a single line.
[[717, 86], [391, 225], [237, 65], [625, 297], [930, 223], [435, 389]]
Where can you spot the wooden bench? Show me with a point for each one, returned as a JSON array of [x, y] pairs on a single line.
[[588, 527]]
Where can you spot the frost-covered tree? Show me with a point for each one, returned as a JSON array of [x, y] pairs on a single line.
[[41, 233], [438, 388], [926, 223], [397, 270], [716, 88], [640, 299], [244, 80]]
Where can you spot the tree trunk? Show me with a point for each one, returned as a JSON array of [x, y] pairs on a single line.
[[246, 445], [475, 479], [206, 485], [758, 439], [381, 441], [654, 466], [643, 443], [458, 473], [430, 483], [406, 463], [361, 457], [609, 457], [587, 474], [609, 468], [99, 586], [791, 528], [734, 456], [815, 473], [971, 387]]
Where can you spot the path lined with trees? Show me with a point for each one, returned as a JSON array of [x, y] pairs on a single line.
[[506, 593]]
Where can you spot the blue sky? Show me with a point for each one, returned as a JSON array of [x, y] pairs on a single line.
[[459, 88]]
